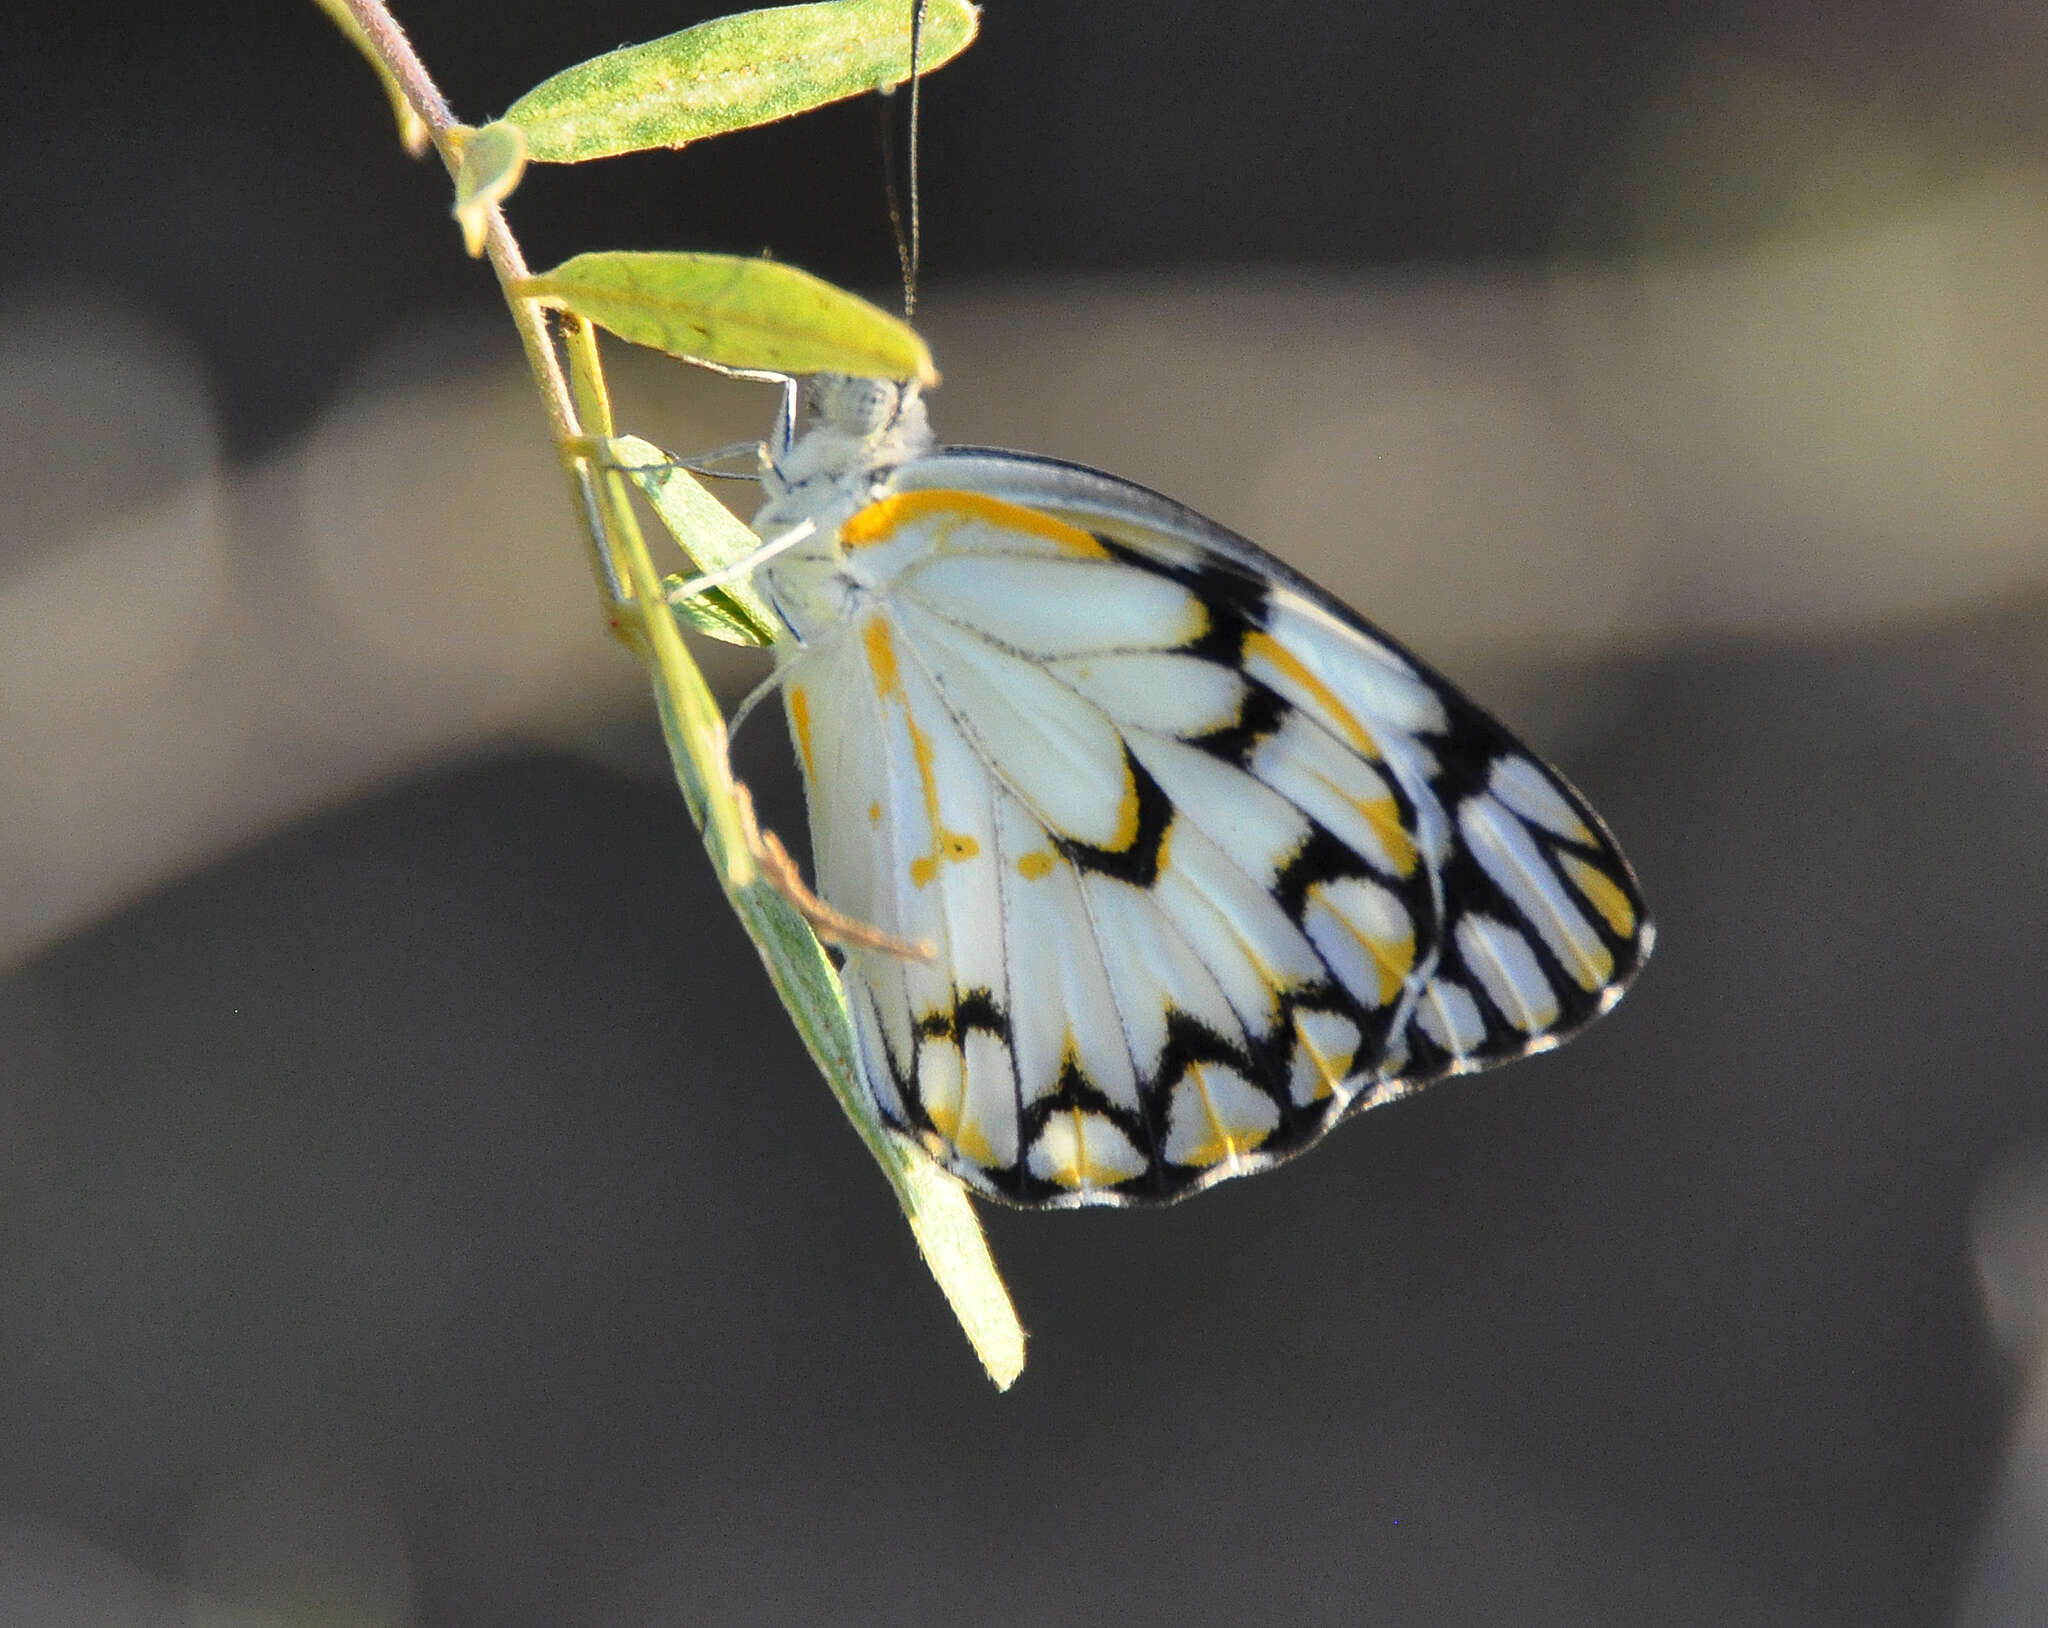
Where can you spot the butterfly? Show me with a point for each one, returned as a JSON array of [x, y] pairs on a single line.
[[1198, 862]]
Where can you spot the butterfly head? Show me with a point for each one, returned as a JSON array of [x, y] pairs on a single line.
[[851, 432], [871, 408]]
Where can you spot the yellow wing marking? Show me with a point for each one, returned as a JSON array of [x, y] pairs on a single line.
[[1076, 1164], [1263, 646], [942, 1085], [1127, 818], [945, 1116], [953, 845], [1601, 893], [1331, 1070], [1217, 1116], [1225, 1140], [949, 511], [965, 1136], [1591, 967], [882, 659], [1034, 865], [800, 715], [973, 1142], [1393, 958], [1383, 814]]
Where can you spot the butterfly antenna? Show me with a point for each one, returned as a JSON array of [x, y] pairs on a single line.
[[908, 244], [916, 243]]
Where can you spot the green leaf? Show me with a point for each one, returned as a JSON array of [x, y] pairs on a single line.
[[715, 615], [734, 312], [708, 532], [488, 164], [731, 73]]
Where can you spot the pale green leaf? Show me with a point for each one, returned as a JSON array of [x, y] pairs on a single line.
[[731, 73], [488, 164], [734, 311], [956, 1252], [708, 532]]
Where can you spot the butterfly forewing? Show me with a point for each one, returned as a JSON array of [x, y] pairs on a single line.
[[1206, 861]]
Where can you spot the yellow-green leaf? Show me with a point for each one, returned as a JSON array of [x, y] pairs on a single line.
[[488, 164], [731, 73], [716, 616], [708, 532], [734, 312], [956, 1252]]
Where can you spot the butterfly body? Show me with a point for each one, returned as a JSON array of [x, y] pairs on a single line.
[[1206, 862]]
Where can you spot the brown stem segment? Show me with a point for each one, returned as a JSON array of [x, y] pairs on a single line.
[[395, 50]]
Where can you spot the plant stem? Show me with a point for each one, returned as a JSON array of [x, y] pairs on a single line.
[[395, 51], [529, 317]]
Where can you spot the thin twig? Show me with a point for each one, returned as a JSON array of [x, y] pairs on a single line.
[[395, 51]]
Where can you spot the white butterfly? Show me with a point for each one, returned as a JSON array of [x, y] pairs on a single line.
[[1206, 862]]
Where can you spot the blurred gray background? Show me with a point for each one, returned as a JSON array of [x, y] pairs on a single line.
[[414, 1208]]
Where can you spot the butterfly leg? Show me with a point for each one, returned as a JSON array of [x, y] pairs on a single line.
[[834, 926], [745, 566], [714, 462], [626, 455]]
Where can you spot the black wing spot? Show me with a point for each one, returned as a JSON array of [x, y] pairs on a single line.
[[1261, 713], [972, 1009], [1139, 863]]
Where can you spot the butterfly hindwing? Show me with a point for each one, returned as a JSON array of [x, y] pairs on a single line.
[[1206, 861]]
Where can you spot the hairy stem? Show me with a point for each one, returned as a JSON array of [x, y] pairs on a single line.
[[395, 51]]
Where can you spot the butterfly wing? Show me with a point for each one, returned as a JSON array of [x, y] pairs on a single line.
[[1208, 862], [1515, 845]]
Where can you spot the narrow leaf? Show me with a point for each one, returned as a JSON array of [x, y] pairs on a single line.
[[716, 617], [956, 1252], [942, 1218], [708, 532], [734, 312], [731, 73]]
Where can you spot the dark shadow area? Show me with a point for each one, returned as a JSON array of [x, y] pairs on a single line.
[[456, 1140]]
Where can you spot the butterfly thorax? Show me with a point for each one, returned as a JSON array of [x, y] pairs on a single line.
[[856, 433]]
